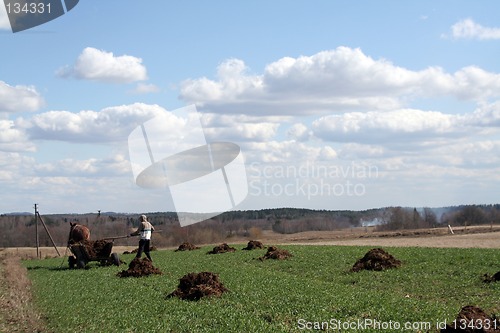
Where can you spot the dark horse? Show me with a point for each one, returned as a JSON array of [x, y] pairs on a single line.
[[78, 233]]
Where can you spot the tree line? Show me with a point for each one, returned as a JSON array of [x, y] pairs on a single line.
[[19, 229]]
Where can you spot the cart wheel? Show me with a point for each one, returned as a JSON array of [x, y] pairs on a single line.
[[115, 259], [71, 262], [81, 264]]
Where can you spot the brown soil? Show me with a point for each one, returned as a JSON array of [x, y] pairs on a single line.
[[252, 245], [274, 253], [194, 286], [222, 248], [18, 313], [472, 237], [491, 278], [139, 267], [186, 246], [99, 248], [376, 260], [470, 317]]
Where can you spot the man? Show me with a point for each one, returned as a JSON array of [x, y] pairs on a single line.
[[145, 229]]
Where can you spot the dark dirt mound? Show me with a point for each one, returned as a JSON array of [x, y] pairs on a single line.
[[186, 246], [274, 253], [491, 278], [139, 267], [222, 248], [252, 245], [472, 319], [194, 286], [99, 248], [376, 260]]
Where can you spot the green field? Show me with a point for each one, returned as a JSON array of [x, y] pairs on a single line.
[[313, 287]]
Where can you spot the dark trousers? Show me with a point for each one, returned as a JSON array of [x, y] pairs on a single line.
[[144, 246]]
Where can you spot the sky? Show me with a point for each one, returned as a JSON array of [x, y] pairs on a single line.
[[334, 104]]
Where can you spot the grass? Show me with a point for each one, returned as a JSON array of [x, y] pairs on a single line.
[[314, 286]]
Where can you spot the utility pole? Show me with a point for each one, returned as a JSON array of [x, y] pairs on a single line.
[[36, 231], [38, 217]]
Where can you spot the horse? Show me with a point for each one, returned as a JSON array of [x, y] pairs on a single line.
[[78, 233]]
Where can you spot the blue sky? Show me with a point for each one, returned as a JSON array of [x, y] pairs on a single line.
[[335, 104]]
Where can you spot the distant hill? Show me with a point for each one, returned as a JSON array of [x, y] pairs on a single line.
[[18, 214]]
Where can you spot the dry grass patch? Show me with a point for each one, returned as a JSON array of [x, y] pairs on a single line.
[[17, 312]]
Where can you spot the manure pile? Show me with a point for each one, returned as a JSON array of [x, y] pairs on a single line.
[[253, 245], [274, 253], [98, 248], [186, 246], [222, 248], [376, 260], [139, 267], [194, 286], [491, 278], [472, 319]]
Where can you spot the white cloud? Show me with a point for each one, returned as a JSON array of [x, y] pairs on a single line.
[[487, 115], [116, 165], [229, 120], [385, 126], [353, 151], [233, 84], [299, 132], [19, 98], [13, 166], [288, 151], [343, 79], [12, 138], [423, 128], [477, 154], [240, 127], [327, 153], [4, 19], [109, 124], [469, 29], [145, 88], [474, 83], [243, 132], [99, 65]]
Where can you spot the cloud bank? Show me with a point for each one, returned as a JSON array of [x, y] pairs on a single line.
[[340, 80]]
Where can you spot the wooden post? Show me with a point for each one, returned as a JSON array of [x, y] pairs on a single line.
[[37, 242], [38, 217], [48, 233]]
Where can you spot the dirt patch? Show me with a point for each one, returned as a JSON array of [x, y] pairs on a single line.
[[253, 245], [186, 246], [376, 260], [99, 248], [140, 267], [469, 320], [274, 253], [17, 313], [194, 286], [222, 248], [491, 278]]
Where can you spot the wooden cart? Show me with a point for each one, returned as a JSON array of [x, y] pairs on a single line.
[[81, 256]]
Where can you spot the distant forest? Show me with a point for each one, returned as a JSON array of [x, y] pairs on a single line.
[[19, 229]]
